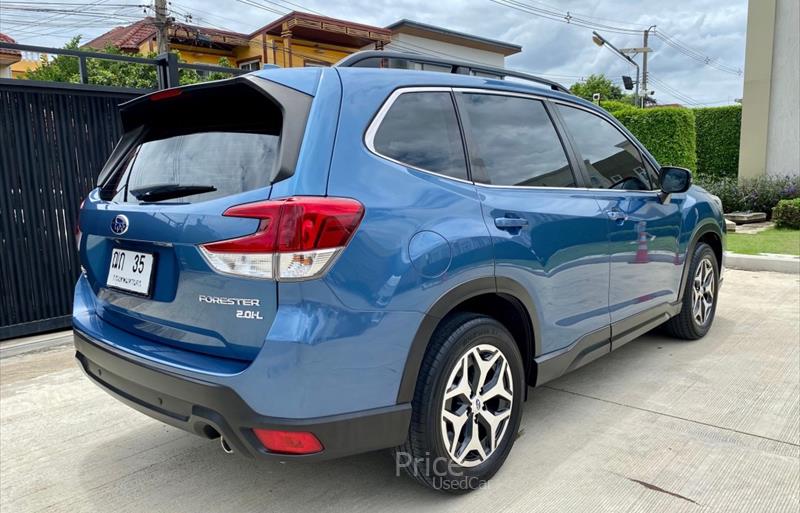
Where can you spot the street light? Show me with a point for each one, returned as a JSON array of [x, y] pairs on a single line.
[[601, 41]]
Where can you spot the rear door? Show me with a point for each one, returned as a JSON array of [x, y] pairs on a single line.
[[548, 235], [188, 156], [646, 264]]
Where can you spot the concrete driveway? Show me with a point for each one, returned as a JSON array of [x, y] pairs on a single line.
[[659, 425]]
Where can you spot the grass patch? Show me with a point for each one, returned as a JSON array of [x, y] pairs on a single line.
[[774, 240]]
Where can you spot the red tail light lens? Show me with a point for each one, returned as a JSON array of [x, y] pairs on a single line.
[[296, 238], [288, 442], [318, 223]]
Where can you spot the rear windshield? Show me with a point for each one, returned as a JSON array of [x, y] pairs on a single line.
[[203, 143], [220, 163]]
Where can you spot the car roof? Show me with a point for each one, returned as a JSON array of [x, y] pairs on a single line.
[[303, 78], [418, 78]]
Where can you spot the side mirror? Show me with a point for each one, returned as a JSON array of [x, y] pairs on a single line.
[[673, 180]]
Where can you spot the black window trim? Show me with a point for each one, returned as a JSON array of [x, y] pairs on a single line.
[[377, 121], [615, 124], [467, 136]]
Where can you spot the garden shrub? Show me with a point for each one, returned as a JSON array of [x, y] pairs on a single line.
[[718, 130], [667, 132], [786, 214], [751, 195]]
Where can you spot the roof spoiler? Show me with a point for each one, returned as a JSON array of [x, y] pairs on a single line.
[[208, 103], [380, 59]]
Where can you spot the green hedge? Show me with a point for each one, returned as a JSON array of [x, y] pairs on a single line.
[[718, 131], [667, 132]]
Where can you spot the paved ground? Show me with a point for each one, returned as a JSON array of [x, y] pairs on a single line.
[[657, 426]]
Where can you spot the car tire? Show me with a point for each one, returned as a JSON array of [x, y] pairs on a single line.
[[699, 302], [455, 441]]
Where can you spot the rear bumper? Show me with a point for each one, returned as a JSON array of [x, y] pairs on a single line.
[[206, 408]]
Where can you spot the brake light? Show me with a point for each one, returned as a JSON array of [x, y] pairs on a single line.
[[296, 239], [289, 442], [166, 93]]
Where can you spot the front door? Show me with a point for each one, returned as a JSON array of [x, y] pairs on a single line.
[[643, 232]]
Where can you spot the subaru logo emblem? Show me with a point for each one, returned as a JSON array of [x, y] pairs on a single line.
[[119, 224]]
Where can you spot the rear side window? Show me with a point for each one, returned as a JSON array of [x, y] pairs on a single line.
[[513, 142], [421, 130], [229, 162], [612, 160]]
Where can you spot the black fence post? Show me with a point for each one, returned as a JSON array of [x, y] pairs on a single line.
[[82, 70], [167, 70]]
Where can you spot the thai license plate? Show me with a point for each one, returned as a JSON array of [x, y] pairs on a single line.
[[131, 271]]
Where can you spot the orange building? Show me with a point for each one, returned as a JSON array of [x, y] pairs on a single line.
[[294, 40]]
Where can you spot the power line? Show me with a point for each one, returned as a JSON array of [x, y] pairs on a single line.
[[696, 55], [685, 98], [555, 14]]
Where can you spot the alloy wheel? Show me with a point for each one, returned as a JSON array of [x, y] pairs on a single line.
[[703, 292], [476, 409]]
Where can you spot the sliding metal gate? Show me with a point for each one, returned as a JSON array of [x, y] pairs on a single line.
[[54, 139]]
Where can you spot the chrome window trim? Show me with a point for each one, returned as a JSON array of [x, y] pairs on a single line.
[[372, 129], [377, 120]]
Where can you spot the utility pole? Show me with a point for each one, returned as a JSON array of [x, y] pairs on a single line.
[[644, 63], [162, 26], [641, 101]]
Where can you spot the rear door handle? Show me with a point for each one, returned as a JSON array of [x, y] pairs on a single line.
[[509, 223]]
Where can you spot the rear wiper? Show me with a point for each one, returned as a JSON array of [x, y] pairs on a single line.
[[165, 191]]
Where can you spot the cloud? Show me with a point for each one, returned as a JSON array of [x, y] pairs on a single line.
[[715, 28]]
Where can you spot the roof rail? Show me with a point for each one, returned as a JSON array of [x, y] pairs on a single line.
[[380, 58]]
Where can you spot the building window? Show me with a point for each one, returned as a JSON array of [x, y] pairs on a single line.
[[252, 65]]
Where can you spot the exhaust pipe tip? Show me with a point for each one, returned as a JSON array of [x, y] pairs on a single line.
[[226, 447]]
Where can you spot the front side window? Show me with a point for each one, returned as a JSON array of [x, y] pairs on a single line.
[[421, 130], [611, 159], [513, 142]]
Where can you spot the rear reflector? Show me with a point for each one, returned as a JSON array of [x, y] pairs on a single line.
[[296, 239], [288, 442]]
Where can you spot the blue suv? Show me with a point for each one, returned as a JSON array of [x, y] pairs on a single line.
[[312, 263]]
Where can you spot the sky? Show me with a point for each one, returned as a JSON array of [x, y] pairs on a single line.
[[711, 32]]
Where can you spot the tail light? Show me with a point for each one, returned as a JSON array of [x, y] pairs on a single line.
[[296, 239], [288, 442]]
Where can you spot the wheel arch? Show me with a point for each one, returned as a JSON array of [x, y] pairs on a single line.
[[710, 233], [501, 298]]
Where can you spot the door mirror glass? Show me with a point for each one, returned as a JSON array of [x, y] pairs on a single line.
[[675, 179]]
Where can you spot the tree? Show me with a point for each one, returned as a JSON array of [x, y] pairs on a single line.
[[598, 84], [64, 68]]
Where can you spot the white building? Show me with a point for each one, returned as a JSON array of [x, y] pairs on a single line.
[[412, 36], [770, 139]]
